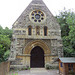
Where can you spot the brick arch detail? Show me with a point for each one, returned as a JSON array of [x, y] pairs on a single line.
[[35, 43]]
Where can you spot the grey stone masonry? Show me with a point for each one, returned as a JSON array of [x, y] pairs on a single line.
[[36, 15]]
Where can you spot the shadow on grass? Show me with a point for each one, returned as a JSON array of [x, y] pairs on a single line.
[[13, 74]]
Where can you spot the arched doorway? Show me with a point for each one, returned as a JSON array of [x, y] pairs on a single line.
[[37, 57]]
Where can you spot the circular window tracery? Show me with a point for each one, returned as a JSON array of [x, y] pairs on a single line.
[[37, 16]]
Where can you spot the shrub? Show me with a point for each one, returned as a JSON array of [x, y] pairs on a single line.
[[47, 66], [71, 73], [26, 68]]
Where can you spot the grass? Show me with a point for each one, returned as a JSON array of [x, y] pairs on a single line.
[[14, 73]]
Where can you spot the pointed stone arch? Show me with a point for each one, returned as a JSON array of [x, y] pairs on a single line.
[[35, 43]]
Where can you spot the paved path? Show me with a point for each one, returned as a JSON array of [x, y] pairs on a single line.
[[36, 71]]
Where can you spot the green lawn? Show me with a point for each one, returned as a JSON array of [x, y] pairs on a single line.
[[14, 73]]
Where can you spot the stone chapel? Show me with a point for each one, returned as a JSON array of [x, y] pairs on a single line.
[[36, 38]]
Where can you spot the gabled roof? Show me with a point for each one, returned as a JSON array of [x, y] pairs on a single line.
[[24, 20], [67, 59]]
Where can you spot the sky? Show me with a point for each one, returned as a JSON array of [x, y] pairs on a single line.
[[10, 10]]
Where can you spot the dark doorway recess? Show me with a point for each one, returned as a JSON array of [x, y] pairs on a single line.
[[37, 57]]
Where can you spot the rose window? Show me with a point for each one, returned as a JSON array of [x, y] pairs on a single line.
[[37, 16]]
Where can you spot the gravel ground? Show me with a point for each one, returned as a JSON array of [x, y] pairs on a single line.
[[35, 71]]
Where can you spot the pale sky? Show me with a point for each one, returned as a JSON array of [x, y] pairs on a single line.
[[10, 10]]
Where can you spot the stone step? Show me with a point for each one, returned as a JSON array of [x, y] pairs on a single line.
[[37, 70]]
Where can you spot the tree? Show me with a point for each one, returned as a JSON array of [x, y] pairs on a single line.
[[5, 40], [4, 47], [1, 30], [66, 20], [8, 32]]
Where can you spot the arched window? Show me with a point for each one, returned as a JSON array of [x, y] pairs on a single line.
[[45, 30], [29, 30], [37, 30]]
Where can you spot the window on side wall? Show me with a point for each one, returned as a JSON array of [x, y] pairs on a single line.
[[29, 30], [37, 30], [45, 30], [61, 64], [70, 67]]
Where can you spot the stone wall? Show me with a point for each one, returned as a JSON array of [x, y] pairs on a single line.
[[23, 43]]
